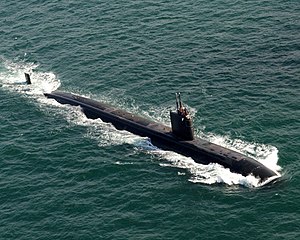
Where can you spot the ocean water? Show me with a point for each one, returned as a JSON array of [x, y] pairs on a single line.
[[63, 176]]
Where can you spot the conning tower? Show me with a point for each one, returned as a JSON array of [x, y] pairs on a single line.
[[181, 121]]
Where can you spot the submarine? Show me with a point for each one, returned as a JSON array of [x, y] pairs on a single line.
[[179, 137]]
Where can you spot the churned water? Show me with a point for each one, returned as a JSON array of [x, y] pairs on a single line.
[[63, 176]]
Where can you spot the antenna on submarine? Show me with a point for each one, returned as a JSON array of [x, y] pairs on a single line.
[[180, 103], [27, 77], [177, 106]]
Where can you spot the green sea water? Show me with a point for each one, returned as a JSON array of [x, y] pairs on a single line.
[[63, 176]]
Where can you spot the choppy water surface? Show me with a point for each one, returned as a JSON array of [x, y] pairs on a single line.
[[65, 176]]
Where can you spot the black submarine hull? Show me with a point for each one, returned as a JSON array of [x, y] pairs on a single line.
[[200, 150]]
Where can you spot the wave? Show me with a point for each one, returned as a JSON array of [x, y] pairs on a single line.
[[265, 154], [12, 78]]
